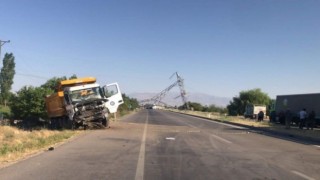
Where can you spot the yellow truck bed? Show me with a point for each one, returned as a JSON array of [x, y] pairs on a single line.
[[55, 106]]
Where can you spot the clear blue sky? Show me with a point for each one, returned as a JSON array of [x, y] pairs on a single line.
[[219, 47]]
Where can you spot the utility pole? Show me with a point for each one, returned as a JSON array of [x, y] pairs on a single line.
[[1, 44]]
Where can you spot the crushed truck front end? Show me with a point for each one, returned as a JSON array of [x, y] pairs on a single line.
[[82, 102], [86, 106]]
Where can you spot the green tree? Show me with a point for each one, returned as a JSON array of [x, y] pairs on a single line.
[[6, 77], [214, 108], [195, 106], [234, 106], [129, 104], [73, 77], [53, 82], [255, 96], [29, 102]]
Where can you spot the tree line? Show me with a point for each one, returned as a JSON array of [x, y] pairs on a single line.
[[237, 105], [204, 108]]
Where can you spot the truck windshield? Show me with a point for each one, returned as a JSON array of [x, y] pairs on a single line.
[[85, 94]]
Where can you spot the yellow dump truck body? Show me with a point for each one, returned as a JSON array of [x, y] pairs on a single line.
[[55, 104]]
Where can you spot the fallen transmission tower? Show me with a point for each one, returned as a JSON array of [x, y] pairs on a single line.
[[158, 98]]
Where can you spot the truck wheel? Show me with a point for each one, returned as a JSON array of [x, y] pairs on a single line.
[[67, 124], [73, 126], [59, 123], [105, 123], [53, 124]]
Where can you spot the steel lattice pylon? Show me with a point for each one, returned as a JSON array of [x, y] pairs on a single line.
[[158, 98], [182, 91]]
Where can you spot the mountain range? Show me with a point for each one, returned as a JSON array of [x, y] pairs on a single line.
[[171, 98]]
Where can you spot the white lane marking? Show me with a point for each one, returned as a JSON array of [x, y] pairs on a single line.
[[230, 125], [170, 138], [221, 139], [302, 175], [194, 131], [140, 164], [317, 146]]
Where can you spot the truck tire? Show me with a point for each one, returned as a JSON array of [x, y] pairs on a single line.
[[59, 123], [52, 124], [64, 123], [105, 123], [69, 124]]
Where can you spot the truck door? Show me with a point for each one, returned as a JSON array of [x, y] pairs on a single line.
[[113, 94]]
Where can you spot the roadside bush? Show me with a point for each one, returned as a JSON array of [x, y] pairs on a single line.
[[29, 102], [128, 105]]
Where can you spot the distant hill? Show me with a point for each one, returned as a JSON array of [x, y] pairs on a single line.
[[201, 98]]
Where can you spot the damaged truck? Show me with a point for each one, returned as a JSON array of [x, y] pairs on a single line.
[[82, 103]]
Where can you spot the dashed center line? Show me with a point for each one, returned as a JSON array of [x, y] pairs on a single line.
[[170, 138], [302, 175], [221, 139]]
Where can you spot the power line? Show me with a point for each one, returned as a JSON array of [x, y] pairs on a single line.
[[32, 75], [1, 44]]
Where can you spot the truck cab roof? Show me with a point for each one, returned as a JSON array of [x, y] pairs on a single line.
[[75, 82], [79, 87]]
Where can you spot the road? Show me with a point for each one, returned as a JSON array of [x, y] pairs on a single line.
[[155, 144]]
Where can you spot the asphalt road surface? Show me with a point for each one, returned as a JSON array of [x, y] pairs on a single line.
[[155, 144]]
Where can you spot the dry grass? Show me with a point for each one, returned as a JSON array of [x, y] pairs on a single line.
[[16, 143]]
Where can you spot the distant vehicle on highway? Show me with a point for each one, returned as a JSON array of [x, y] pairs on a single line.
[[153, 106]]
